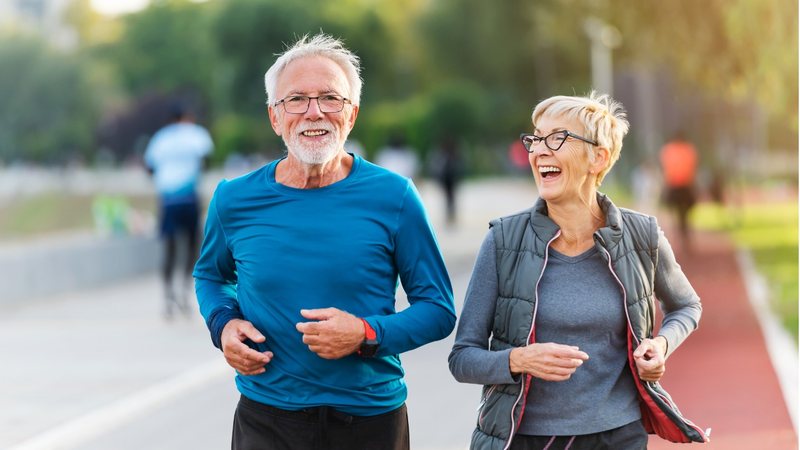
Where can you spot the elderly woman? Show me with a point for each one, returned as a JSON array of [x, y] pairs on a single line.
[[558, 318]]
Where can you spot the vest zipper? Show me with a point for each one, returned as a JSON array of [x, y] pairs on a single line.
[[666, 400], [624, 294], [527, 378]]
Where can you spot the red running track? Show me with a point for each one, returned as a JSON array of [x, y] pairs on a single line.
[[722, 377]]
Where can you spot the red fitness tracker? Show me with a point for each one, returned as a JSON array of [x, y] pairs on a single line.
[[370, 344]]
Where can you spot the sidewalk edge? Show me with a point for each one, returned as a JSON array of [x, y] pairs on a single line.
[[780, 346]]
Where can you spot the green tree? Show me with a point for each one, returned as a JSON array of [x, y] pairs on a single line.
[[247, 35], [743, 50], [516, 51], [166, 47], [420, 56], [48, 110]]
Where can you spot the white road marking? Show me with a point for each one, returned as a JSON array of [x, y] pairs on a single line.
[[75, 432]]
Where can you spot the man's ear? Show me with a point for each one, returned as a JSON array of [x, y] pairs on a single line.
[[274, 120], [353, 115]]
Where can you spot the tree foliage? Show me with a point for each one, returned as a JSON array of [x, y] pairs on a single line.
[[742, 50], [48, 108], [165, 47], [469, 68]]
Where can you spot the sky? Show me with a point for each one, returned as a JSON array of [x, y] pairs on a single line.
[[116, 7]]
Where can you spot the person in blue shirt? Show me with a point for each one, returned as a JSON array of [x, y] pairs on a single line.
[[300, 265], [175, 156]]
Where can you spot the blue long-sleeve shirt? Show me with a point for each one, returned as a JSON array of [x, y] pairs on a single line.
[[271, 250]]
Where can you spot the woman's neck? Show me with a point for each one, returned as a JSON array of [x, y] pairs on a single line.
[[578, 222]]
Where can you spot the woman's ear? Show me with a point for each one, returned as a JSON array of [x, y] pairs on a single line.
[[602, 158]]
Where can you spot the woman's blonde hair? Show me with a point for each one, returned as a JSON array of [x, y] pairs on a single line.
[[603, 119]]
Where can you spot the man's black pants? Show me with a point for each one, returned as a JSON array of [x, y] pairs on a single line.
[[257, 426]]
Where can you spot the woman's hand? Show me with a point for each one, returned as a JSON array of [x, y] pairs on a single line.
[[549, 361], [650, 358]]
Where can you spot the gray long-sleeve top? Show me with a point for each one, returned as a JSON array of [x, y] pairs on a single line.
[[471, 361]]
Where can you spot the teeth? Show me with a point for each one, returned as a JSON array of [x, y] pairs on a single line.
[[314, 132], [546, 169]]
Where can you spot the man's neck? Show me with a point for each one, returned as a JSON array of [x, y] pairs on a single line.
[[294, 173]]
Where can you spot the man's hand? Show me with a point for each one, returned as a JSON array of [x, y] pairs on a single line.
[[650, 360], [244, 359], [549, 361], [335, 333]]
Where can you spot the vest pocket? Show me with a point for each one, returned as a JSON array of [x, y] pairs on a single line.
[[496, 409], [487, 392]]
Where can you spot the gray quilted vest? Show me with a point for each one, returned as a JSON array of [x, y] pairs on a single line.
[[630, 240]]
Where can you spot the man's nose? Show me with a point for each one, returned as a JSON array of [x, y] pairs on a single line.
[[313, 109]]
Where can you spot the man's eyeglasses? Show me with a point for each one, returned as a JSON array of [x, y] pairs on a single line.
[[298, 104], [553, 141]]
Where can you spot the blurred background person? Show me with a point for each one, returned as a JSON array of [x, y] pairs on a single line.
[[447, 167], [355, 147], [518, 157], [679, 162], [175, 157], [398, 157], [570, 361]]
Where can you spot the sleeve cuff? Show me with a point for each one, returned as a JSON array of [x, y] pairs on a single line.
[[671, 341], [218, 319], [504, 356]]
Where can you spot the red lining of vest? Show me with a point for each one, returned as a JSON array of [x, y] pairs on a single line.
[[653, 418]]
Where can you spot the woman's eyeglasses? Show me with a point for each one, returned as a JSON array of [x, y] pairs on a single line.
[[553, 141]]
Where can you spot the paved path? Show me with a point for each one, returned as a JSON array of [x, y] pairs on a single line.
[[722, 376], [100, 369]]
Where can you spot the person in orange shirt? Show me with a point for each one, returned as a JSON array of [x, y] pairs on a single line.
[[679, 165]]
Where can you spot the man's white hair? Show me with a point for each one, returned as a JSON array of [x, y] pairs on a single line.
[[319, 45]]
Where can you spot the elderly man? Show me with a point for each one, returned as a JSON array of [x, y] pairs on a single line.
[[299, 268]]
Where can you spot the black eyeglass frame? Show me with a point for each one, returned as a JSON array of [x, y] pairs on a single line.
[[345, 100], [566, 133]]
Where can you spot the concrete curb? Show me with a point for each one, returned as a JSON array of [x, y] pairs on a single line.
[[37, 269], [781, 347]]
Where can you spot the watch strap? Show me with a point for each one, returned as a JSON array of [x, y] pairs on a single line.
[[369, 346]]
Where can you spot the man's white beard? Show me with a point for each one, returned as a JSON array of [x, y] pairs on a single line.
[[312, 154]]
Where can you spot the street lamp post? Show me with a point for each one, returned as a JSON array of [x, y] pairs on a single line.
[[603, 38]]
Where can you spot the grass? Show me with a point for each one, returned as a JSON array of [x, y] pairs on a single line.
[[769, 231], [54, 212]]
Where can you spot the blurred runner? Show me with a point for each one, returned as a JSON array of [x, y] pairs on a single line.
[[679, 164], [447, 167], [398, 157], [175, 157]]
